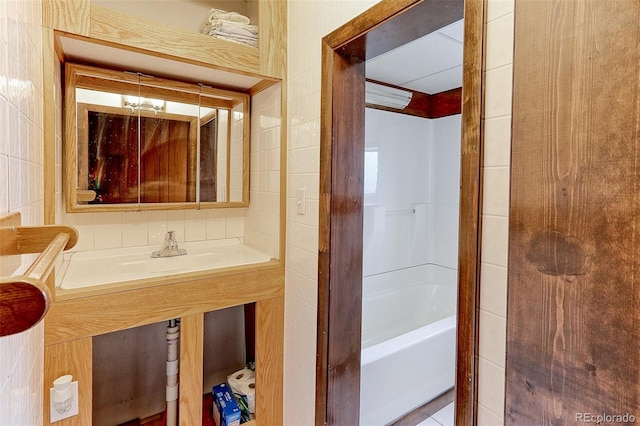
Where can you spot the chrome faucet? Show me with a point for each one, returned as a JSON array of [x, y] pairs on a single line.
[[169, 247]]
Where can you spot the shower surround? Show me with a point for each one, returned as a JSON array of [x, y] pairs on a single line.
[[412, 168]]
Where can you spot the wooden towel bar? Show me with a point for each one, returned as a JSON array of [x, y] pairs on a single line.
[[25, 298]]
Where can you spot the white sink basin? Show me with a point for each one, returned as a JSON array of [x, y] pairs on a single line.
[[89, 268]]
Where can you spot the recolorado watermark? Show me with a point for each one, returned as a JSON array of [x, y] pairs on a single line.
[[604, 418]]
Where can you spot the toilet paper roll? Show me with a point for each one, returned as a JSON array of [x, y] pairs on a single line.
[[243, 382]]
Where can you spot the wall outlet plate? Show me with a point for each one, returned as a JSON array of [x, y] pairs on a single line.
[[55, 416]]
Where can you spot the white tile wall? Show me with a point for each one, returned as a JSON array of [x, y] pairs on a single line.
[[308, 22], [495, 221], [262, 222], [21, 189]]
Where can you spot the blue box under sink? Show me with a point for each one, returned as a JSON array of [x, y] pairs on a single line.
[[225, 409]]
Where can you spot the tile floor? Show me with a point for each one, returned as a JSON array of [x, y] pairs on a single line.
[[443, 417]]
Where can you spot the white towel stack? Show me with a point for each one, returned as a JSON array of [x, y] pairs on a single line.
[[230, 26]]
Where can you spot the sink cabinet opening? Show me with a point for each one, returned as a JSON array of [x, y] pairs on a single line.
[[130, 368], [226, 349]]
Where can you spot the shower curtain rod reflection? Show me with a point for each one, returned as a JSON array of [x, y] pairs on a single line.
[[407, 211]]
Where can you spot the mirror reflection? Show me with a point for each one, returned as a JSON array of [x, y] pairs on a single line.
[[140, 142]]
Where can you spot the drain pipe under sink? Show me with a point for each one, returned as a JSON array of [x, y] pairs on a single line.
[[173, 339]]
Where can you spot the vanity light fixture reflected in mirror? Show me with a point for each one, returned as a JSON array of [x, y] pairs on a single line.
[[136, 102]]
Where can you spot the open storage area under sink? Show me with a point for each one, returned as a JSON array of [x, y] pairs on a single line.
[[129, 367]]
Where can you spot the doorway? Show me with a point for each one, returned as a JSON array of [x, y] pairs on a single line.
[[385, 26]]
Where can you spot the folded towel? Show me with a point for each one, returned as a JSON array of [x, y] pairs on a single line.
[[251, 43], [218, 14], [236, 37], [232, 28]]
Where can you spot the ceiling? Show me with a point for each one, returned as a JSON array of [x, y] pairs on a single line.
[[435, 62]]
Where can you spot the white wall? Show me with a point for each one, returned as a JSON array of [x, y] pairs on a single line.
[[395, 238], [21, 189], [495, 213], [411, 192], [262, 223]]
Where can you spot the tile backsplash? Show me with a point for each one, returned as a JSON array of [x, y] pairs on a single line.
[[127, 229]]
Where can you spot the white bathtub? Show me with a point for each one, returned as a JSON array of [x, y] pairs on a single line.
[[408, 340]]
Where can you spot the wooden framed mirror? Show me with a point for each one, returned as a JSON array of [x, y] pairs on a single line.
[[136, 142]]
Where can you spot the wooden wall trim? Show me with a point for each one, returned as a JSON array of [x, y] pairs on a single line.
[[340, 240], [273, 38], [191, 369], [324, 238], [67, 15], [470, 232], [49, 120], [444, 104], [365, 22], [270, 361], [426, 105], [341, 161], [388, 26]]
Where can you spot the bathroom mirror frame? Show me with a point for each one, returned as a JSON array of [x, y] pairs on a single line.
[[137, 84]]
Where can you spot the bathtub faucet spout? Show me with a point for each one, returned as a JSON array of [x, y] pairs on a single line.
[[169, 247]]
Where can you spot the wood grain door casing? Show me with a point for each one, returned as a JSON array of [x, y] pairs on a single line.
[[385, 26]]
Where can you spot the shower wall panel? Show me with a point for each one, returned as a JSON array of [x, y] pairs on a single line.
[[412, 180]]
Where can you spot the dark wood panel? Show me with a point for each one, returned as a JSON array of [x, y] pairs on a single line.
[[427, 410], [444, 104], [470, 231], [355, 29], [426, 105], [428, 16], [340, 245], [573, 322]]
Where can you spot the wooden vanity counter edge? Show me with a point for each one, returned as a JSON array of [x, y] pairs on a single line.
[[77, 314]]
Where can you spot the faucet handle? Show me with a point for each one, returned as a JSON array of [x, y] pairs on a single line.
[[169, 247]]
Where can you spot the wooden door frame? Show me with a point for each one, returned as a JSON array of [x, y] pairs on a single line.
[[385, 26]]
